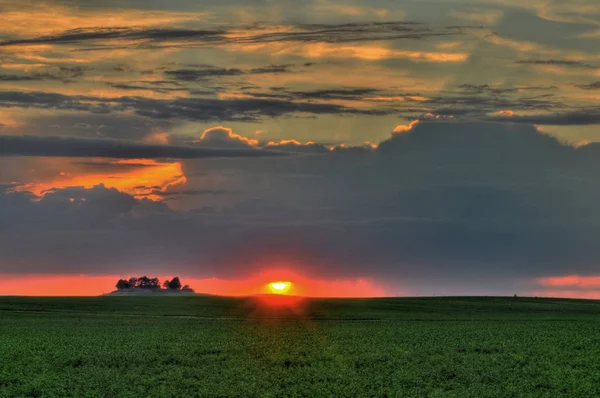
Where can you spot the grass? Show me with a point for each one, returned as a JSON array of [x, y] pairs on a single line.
[[207, 346]]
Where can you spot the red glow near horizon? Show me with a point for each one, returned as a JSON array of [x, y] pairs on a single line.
[[569, 286], [592, 281], [260, 284]]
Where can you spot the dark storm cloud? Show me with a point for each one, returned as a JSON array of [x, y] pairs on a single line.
[[557, 62], [259, 33], [472, 102], [194, 192], [83, 35], [204, 109], [471, 105], [466, 202], [108, 165], [331, 94], [65, 74], [487, 89], [78, 147], [591, 86], [208, 72], [155, 89], [464, 94], [575, 118], [23, 78]]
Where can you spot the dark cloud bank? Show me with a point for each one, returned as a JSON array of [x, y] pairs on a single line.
[[106, 148], [441, 207], [258, 33]]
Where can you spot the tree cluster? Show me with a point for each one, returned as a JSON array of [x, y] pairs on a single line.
[[152, 283]]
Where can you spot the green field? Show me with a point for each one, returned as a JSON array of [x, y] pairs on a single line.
[[206, 346]]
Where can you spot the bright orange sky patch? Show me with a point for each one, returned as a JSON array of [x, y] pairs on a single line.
[[135, 180], [591, 281], [89, 285]]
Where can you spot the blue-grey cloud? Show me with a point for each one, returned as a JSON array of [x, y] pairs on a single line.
[[557, 62], [574, 118], [467, 202], [105, 148], [204, 109], [208, 72]]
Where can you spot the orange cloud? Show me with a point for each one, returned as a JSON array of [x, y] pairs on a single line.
[[383, 98], [137, 177], [366, 52], [223, 136], [34, 18], [405, 128], [583, 282], [289, 142], [505, 112], [449, 44]]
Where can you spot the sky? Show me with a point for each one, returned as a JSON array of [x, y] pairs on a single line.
[[357, 148]]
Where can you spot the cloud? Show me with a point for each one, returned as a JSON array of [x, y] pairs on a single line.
[[208, 71], [27, 18], [591, 86], [79, 147], [296, 146], [329, 94], [193, 192], [557, 62], [63, 73], [469, 203], [404, 129], [124, 175], [571, 281], [253, 34], [575, 118], [487, 89], [204, 109], [223, 137], [572, 285]]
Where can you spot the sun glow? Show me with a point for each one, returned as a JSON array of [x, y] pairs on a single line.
[[280, 287]]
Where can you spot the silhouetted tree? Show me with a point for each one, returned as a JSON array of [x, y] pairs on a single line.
[[154, 283], [147, 283], [123, 284], [174, 284], [144, 282], [133, 282]]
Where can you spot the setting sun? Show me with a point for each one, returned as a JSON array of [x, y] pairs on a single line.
[[280, 287]]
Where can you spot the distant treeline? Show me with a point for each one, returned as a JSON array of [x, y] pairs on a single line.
[[144, 282]]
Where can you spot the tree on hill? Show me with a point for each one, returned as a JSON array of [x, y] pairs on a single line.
[[123, 284], [144, 282], [148, 283], [173, 284]]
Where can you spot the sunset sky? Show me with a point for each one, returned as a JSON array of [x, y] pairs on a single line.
[[358, 148]]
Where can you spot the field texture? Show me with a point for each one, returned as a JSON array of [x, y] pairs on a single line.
[[210, 347]]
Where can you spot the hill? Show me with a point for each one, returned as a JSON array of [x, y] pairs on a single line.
[[151, 292]]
